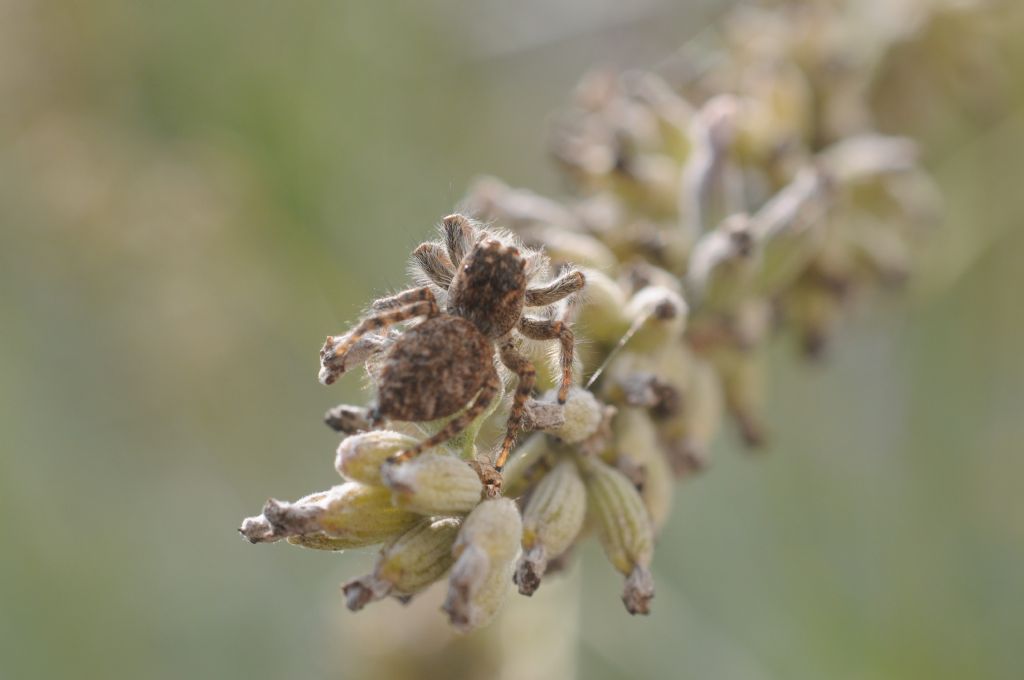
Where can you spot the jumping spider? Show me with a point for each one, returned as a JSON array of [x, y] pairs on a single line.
[[445, 363]]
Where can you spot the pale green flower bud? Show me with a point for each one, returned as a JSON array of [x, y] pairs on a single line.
[[408, 564], [624, 529], [581, 415], [722, 265], [791, 230], [519, 473], [636, 440], [602, 316], [468, 612], [433, 484], [691, 433], [742, 377], [495, 527], [360, 456], [866, 156], [553, 519], [347, 516], [484, 550], [562, 245], [662, 313]]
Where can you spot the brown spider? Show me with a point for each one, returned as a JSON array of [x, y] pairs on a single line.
[[476, 286]]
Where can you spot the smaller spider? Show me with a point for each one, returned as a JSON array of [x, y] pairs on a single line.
[[476, 285]]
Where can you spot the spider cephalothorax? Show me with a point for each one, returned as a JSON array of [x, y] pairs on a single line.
[[476, 285]]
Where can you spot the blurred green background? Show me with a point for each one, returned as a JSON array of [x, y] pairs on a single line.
[[193, 194]]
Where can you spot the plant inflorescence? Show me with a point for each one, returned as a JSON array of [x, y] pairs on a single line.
[[726, 201]]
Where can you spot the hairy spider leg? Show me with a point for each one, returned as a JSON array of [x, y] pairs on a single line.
[[435, 263], [562, 287], [527, 377], [543, 329], [456, 425], [406, 305], [459, 237]]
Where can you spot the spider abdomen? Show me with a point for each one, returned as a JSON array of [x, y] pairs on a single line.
[[434, 369]]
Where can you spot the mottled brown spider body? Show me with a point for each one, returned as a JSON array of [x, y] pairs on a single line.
[[444, 365], [410, 388]]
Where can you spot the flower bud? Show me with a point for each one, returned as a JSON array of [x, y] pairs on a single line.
[[492, 200], [624, 529], [602, 315], [467, 611], [484, 551], [519, 474], [742, 376], [494, 526], [636, 439], [408, 564], [562, 245], [553, 518], [347, 516], [360, 456], [663, 314], [791, 229], [433, 484], [722, 264], [691, 433], [581, 413], [321, 541]]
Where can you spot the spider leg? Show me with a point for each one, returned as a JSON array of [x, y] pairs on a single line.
[[404, 306], [435, 263], [527, 376], [563, 286], [406, 297], [459, 237], [542, 329], [453, 427]]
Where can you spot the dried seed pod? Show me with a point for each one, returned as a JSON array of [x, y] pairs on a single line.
[[551, 522], [484, 552], [636, 440], [347, 516], [408, 564], [433, 484], [624, 528], [360, 456]]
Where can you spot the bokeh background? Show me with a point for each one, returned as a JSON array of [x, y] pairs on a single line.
[[193, 194]]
